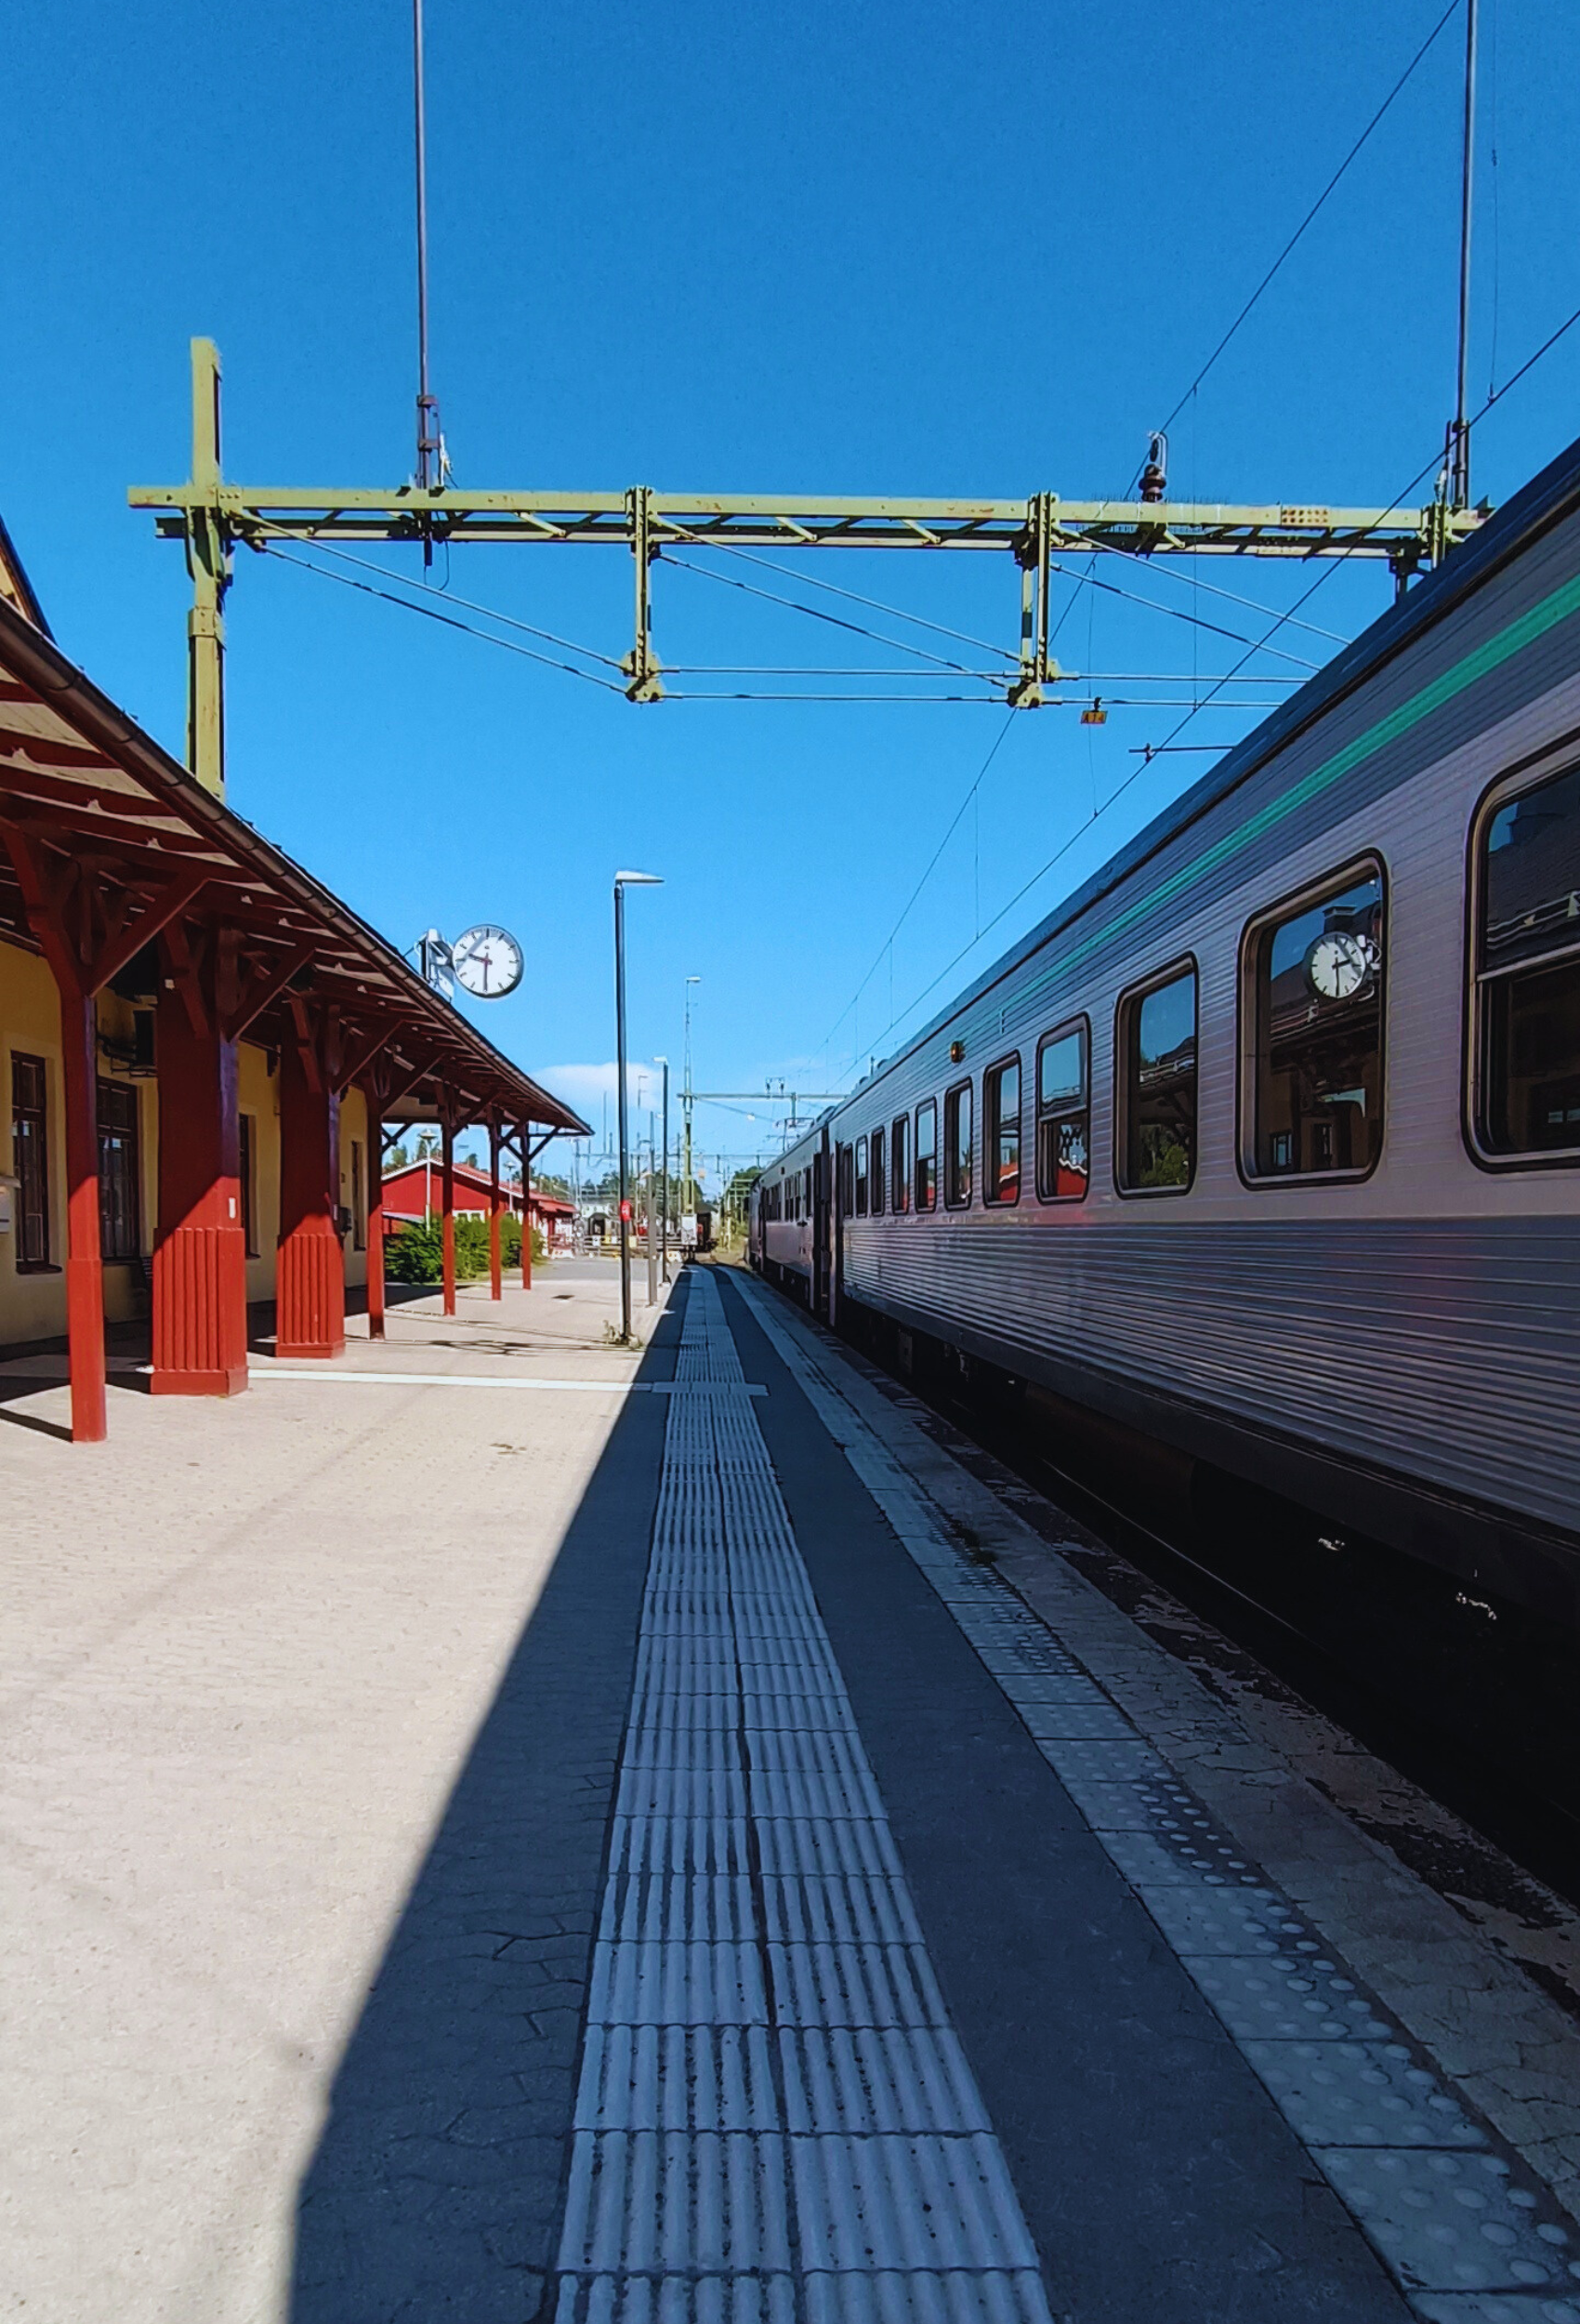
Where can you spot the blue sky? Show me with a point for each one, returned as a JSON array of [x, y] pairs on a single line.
[[926, 250]]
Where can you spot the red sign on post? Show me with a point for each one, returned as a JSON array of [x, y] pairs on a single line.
[[626, 1210]]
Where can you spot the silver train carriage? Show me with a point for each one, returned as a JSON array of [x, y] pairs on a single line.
[[1266, 1143]]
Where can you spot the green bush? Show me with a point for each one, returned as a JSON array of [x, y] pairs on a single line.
[[416, 1254]]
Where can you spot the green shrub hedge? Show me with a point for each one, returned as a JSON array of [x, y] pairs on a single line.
[[416, 1254]]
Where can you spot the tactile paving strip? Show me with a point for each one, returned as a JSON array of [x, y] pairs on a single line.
[[774, 2117], [1468, 2234]]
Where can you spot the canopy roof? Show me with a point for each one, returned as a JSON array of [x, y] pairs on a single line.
[[127, 844]]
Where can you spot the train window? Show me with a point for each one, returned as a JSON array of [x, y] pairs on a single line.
[[1157, 1049], [878, 1173], [846, 1184], [861, 1178], [959, 1146], [806, 1193], [1001, 1133], [1315, 979], [1063, 1113], [1528, 972], [900, 1161], [926, 1154]]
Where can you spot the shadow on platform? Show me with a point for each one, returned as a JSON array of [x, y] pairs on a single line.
[[436, 2186]]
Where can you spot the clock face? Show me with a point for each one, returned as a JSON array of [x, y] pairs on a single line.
[[1339, 964], [488, 962]]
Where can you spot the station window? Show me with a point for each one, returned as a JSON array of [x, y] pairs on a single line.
[[120, 1209], [900, 1161], [926, 1154], [1001, 1133], [1157, 1091], [1064, 1113], [1528, 972], [1315, 974], [246, 1179], [861, 1178], [30, 1148], [877, 1179], [959, 1146]]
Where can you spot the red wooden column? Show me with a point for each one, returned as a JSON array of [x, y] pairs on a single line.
[[199, 1257], [310, 1272], [86, 947], [447, 1200], [496, 1278], [526, 1133], [85, 1272]]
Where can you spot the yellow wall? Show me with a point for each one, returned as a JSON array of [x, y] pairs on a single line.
[[354, 1126], [259, 1096], [33, 1306]]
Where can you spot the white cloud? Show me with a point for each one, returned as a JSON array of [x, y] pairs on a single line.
[[584, 1087]]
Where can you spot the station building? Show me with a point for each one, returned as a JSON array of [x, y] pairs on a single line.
[[199, 1047]]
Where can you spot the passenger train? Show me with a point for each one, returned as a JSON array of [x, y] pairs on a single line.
[[1265, 1144]]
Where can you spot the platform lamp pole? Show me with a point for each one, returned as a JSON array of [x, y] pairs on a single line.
[[622, 881], [664, 1183]]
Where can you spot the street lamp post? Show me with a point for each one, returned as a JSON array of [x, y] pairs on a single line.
[[622, 881], [688, 1192], [663, 1183]]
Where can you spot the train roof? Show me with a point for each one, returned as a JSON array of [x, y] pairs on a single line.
[[1551, 495]]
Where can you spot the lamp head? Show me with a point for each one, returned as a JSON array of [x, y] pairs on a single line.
[[638, 879]]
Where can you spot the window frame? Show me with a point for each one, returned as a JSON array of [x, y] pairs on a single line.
[[952, 1096], [900, 1189], [1081, 1024], [246, 1180], [1511, 784], [1131, 998], [926, 1105], [128, 1175], [861, 1165], [45, 1262], [992, 1075], [877, 1164], [1311, 892]]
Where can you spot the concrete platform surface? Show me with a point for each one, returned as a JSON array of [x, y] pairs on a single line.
[[506, 1828]]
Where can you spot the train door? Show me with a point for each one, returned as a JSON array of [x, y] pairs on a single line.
[[838, 1192], [820, 1177]]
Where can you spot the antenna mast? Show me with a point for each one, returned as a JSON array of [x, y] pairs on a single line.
[[430, 443], [1459, 433]]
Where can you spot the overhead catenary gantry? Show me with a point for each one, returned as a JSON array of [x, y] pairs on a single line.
[[213, 518]]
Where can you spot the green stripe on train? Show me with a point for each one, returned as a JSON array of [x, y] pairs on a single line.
[[1497, 649]]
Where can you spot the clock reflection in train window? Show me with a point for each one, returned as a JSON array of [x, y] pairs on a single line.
[[1317, 976]]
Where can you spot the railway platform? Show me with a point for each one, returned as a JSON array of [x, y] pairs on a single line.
[[715, 1860]]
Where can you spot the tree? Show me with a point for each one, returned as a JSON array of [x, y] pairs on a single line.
[[397, 1159]]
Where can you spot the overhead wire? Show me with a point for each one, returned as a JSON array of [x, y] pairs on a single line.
[[1317, 205], [931, 867], [1208, 588], [428, 588], [1171, 743], [448, 621], [816, 613], [832, 588]]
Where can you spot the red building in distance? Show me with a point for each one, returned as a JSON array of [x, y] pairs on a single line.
[[413, 1194]]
